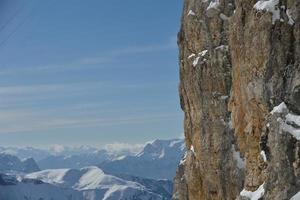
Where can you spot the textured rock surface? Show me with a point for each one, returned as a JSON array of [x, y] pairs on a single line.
[[238, 60]]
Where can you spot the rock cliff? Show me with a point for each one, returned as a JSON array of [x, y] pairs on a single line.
[[240, 93]]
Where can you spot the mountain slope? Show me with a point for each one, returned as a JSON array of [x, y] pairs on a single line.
[[89, 183], [157, 160], [162, 187]]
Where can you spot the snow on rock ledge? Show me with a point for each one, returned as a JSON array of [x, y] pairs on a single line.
[[269, 6], [280, 108], [272, 6], [213, 5], [296, 196], [191, 12], [290, 122], [256, 195]]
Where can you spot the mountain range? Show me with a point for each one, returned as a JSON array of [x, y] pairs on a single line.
[[13, 163], [157, 160], [90, 173]]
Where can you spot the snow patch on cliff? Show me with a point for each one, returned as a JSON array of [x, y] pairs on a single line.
[[269, 6], [191, 13], [241, 164], [256, 195], [224, 17], [291, 20], [213, 5], [191, 56], [296, 196], [200, 55], [263, 155], [195, 62], [290, 122], [280, 108], [182, 161]]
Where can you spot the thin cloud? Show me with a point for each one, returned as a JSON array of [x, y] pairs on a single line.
[[37, 90], [170, 44], [25, 122], [96, 61], [122, 147]]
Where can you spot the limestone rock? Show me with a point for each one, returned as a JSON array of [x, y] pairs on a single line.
[[238, 60]]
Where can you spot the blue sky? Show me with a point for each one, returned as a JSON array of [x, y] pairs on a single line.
[[88, 72]]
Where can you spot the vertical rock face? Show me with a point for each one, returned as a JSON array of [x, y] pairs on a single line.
[[238, 61]]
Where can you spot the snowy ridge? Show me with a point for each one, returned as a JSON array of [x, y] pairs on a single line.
[[89, 178], [89, 183]]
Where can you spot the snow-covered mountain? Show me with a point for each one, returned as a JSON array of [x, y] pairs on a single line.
[[157, 160], [163, 187], [59, 156], [125, 175], [76, 161], [13, 163], [89, 183], [25, 152]]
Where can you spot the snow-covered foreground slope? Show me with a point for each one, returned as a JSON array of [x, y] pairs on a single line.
[[89, 183], [157, 160]]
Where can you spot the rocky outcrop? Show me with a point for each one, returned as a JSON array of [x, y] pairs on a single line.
[[239, 60]]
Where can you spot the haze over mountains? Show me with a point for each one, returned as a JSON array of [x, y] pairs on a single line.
[[157, 160], [90, 173]]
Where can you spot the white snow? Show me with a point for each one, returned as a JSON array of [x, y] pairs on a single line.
[[256, 195], [269, 6], [191, 13], [203, 53], [213, 4], [293, 118], [224, 97], [241, 164], [291, 20], [162, 154], [296, 196], [120, 158], [92, 181], [224, 17], [175, 142], [222, 47], [263, 155], [290, 119], [182, 161], [195, 62], [192, 149], [295, 132], [191, 56], [280, 108]]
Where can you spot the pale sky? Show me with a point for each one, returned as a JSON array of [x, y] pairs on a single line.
[[88, 72]]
